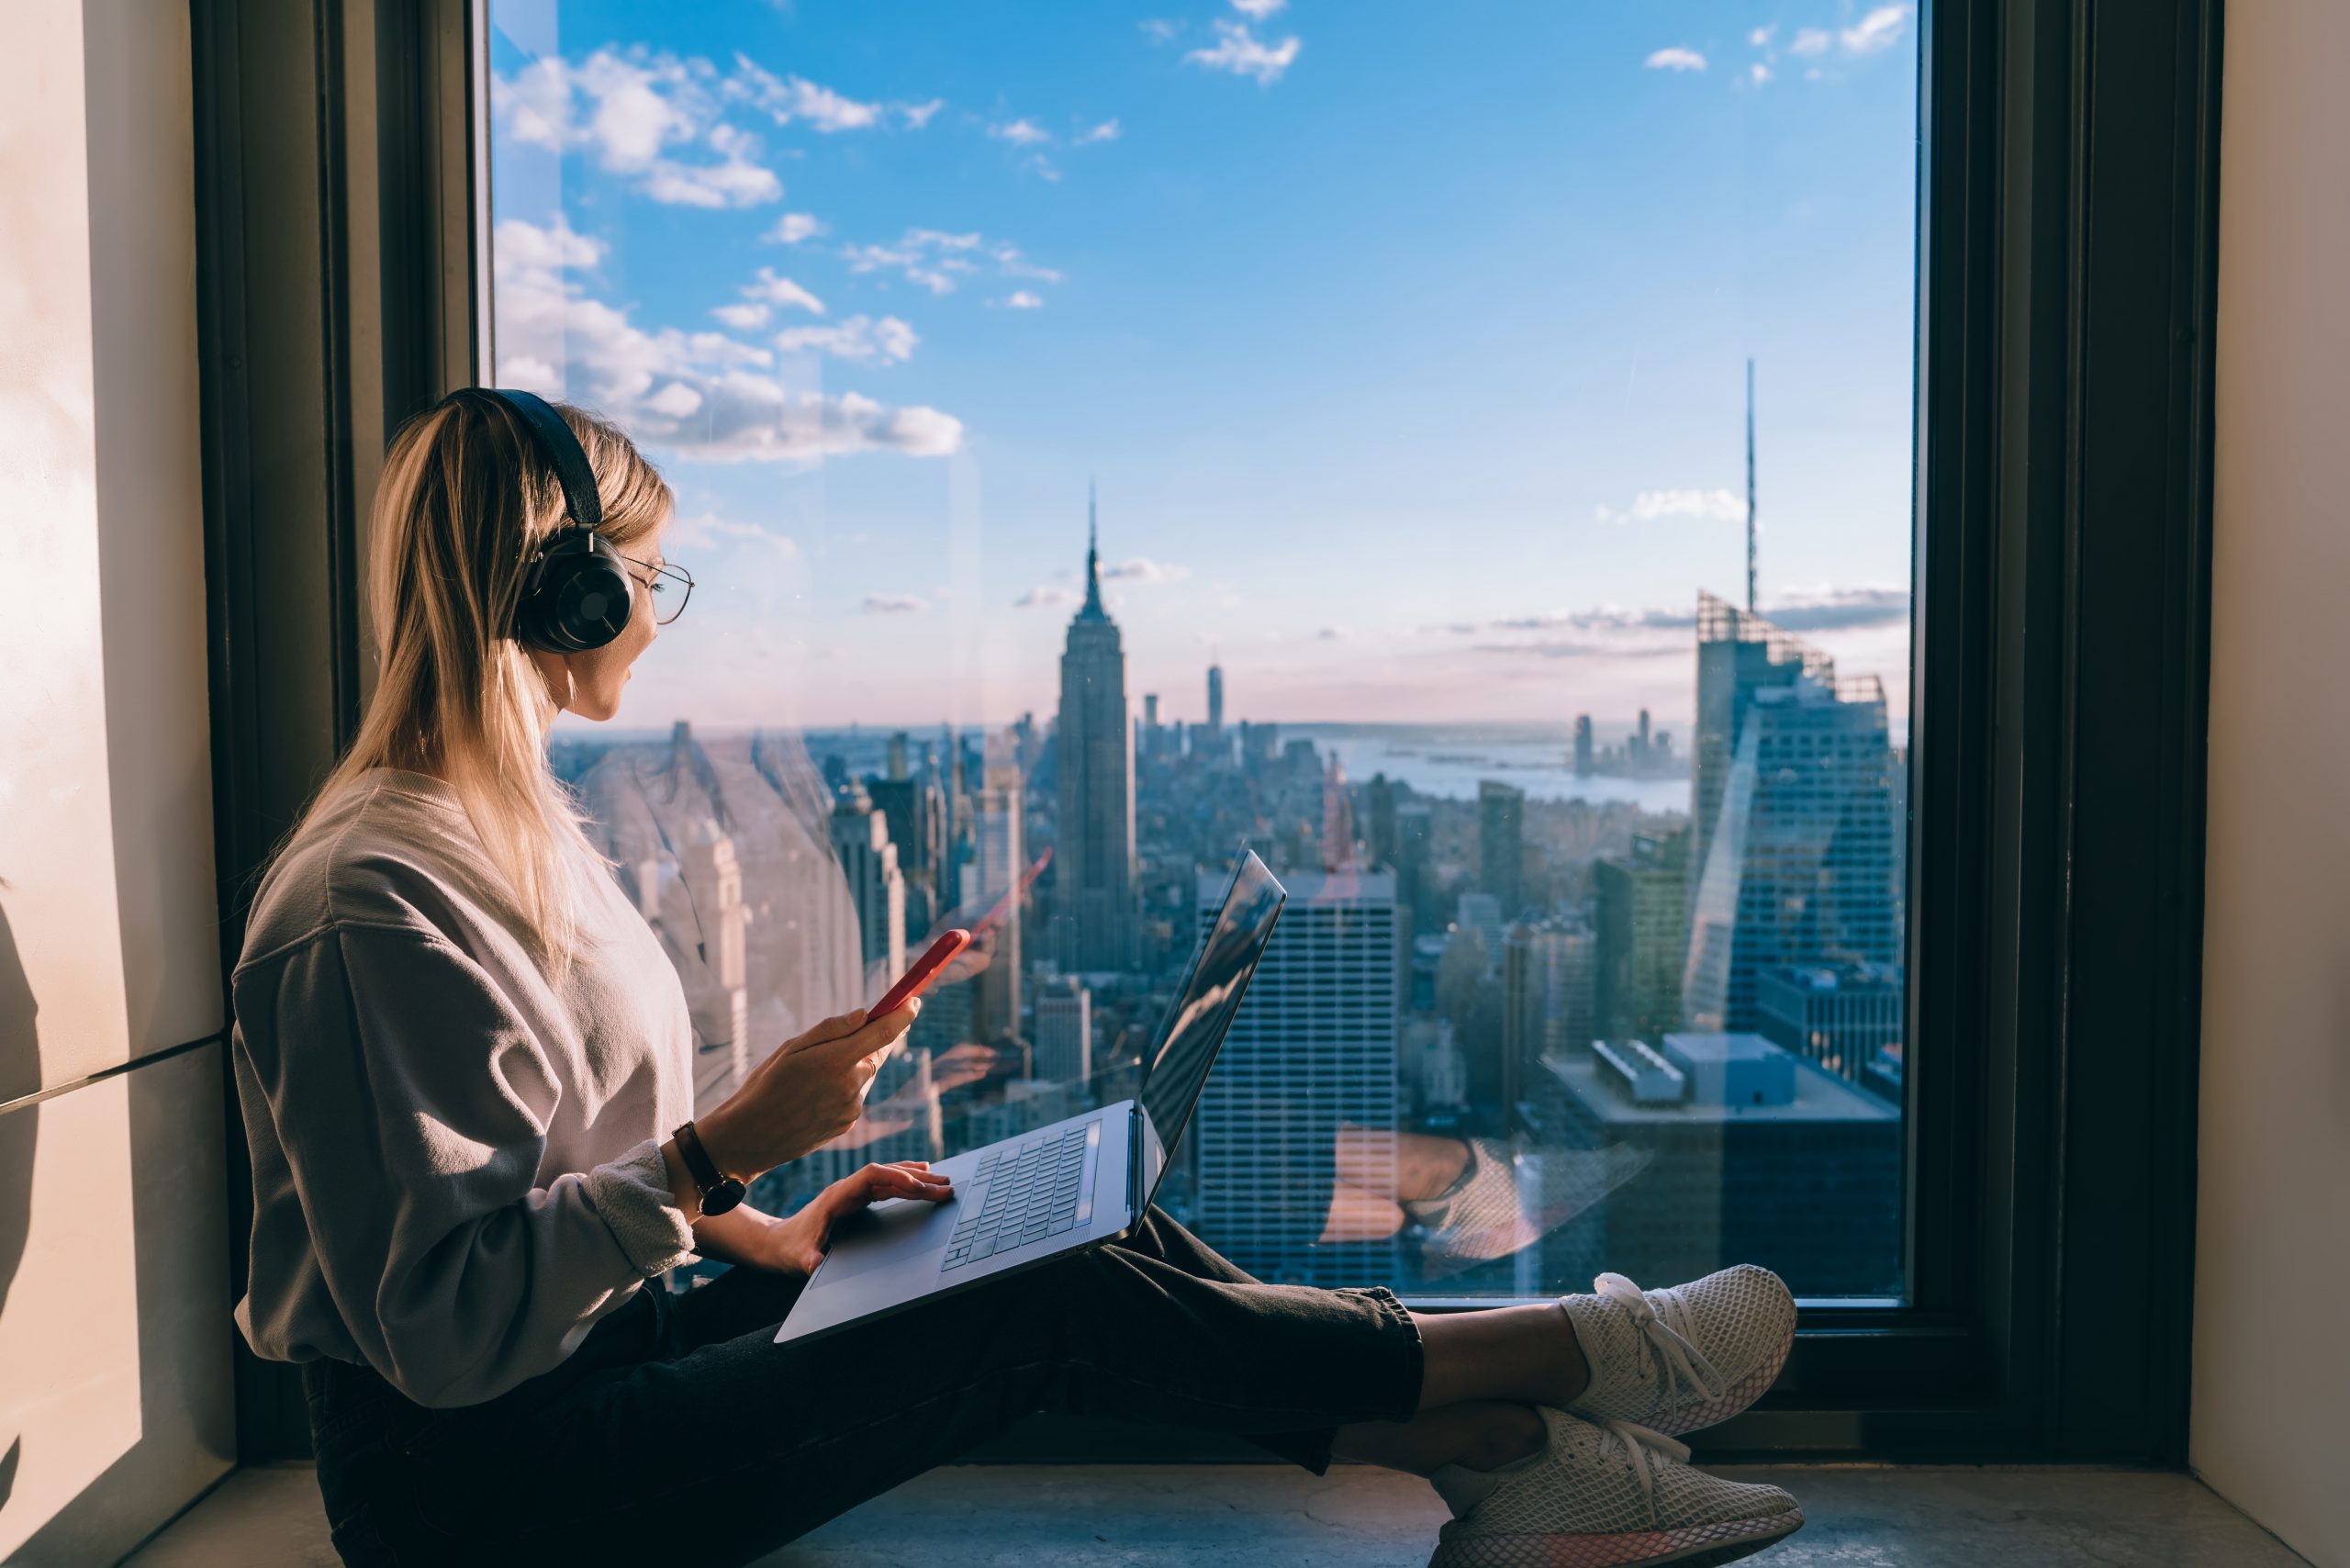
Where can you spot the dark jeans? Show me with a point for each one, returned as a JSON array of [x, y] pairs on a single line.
[[680, 1428]]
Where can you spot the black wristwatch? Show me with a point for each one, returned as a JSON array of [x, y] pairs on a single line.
[[720, 1192]]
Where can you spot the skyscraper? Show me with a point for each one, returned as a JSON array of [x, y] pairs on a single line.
[[1837, 1015], [1338, 818], [876, 889], [1216, 696], [998, 864], [1064, 1033], [1584, 744], [1642, 902], [1547, 973], [1758, 1157], [1096, 912], [1501, 844], [1803, 863], [715, 874], [915, 809], [1481, 912], [1313, 1045], [1739, 654]]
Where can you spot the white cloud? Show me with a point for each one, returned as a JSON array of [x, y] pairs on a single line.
[[1715, 506], [1810, 41], [789, 98], [700, 395], [632, 110], [1021, 299], [1142, 569], [519, 244], [1238, 50], [1009, 259], [934, 258], [1828, 609], [707, 531], [1020, 132], [1258, 10], [1045, 596], [776, 289], [792, 227], [1106, 131], [677, 400], [1880, 30], [1159, 29], [1675, 60], [887, 341], [918, 115], [745, 318], [1758, 73], [894, 604], [1762, 36]]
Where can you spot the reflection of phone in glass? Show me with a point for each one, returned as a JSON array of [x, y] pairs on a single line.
[[994, 917]]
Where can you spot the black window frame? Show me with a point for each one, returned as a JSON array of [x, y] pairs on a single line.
[[2067, 205]]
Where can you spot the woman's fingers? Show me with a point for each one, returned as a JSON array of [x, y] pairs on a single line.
[[842, 1025]]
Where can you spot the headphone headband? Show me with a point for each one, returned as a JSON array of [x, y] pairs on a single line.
[[562, 450], [576, 593]]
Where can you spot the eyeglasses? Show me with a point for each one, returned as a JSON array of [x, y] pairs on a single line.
[[667, 582]]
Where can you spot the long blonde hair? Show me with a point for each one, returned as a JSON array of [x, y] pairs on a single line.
[[465, 494]]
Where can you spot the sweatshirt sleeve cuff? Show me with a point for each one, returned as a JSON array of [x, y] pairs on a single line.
[[632, 1194]]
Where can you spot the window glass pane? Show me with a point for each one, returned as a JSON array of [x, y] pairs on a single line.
[[1463, 454]]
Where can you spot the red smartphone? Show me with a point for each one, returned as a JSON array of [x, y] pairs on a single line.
[[924, 970]]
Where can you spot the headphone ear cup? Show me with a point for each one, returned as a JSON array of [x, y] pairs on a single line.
[[578, 595]]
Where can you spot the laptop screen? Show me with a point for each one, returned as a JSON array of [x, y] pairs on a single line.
[[1220, 973]]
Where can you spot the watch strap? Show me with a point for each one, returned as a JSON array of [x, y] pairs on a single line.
[[699, 1164]]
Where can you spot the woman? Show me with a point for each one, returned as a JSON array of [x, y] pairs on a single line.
[[464, 1066]]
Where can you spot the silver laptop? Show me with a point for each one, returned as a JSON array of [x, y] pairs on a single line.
[[1078, 1183]]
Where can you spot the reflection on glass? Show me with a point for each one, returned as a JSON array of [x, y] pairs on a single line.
[[1502, 532]]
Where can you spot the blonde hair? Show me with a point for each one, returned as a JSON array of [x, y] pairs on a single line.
[[465, 493]]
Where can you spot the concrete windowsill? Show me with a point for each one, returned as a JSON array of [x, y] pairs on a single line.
[[1049, 1516]]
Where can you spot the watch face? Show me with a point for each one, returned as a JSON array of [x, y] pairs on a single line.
[[723, 1196]]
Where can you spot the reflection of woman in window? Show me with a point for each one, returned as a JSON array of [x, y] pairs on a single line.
[[464, 1064]]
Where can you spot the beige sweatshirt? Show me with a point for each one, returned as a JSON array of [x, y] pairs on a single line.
[[456, 1165]]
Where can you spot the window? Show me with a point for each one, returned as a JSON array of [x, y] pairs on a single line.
[[1468, 461]]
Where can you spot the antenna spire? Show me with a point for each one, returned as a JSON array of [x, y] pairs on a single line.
[[1092, 552], [1750, 487]]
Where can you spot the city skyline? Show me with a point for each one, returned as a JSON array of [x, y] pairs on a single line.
[[879, 312]]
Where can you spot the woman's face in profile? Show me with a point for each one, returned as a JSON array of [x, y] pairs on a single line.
[[589, 683]]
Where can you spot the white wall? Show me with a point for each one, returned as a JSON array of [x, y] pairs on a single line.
[[2272, 1287], [115, 1398]]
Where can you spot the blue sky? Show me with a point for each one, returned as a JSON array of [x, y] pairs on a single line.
[[1407, 343]]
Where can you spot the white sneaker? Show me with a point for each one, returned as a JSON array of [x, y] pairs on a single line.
[[1681, 1358], [1601, 1496]]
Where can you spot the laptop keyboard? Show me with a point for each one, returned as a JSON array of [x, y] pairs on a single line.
[[1031, 1191]]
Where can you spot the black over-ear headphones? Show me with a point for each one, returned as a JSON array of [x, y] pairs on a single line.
[[576, 594]]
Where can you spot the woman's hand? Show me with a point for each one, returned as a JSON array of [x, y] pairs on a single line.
[[808, 1091], [795, 1246]]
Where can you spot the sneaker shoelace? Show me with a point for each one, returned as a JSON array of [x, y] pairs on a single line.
[[1681, 1365], [1645, 1452]]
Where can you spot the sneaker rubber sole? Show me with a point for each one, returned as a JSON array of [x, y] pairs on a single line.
[[1690, 1546]]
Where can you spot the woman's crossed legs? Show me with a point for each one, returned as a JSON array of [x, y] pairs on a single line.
[[725, 1439]]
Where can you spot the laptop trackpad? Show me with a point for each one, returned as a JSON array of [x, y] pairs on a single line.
[[889, 1232]]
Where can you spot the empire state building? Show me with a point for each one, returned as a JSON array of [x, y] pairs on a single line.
[[1096, 921]]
